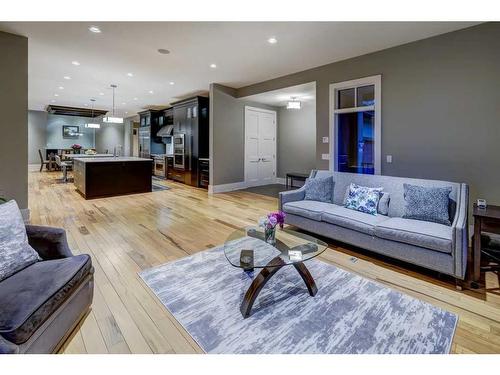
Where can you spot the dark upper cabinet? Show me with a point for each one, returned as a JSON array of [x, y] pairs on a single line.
[[152, 119]]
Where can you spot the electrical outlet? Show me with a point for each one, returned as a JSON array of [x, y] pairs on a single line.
[[325, 156], [389, 158], [325, 139]]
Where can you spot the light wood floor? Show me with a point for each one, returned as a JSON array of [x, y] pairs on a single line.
[[125, 235]]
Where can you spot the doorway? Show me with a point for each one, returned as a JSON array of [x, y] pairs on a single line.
[[260, 146]]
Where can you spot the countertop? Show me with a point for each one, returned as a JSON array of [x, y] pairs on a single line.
[[119, 159]]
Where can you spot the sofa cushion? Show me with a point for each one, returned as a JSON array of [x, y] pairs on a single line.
[[432, 236], [15, 251], [308, 209], [30, 296], [355, 220], [364, 199], [427, 203], [319, 189]]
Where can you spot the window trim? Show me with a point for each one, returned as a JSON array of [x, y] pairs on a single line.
[[376, 81]]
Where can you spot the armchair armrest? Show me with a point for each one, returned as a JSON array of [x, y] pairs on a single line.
[[461, 232], [49, 242], [6, 347], [291, 196]]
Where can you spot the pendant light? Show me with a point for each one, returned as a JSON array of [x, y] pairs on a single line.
[[113, 119], [93, 125], [293, 104]]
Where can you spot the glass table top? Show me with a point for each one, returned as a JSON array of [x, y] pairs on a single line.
[[246, 248]]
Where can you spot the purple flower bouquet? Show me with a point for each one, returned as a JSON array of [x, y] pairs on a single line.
[[269, 224]]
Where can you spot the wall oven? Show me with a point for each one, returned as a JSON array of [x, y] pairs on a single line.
[[179, 152]]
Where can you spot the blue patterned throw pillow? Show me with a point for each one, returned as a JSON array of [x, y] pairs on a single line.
[[363, 199], [427, 203], [319, 189]]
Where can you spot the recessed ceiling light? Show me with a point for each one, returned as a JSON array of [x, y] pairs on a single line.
[[126, 112], [172, 83], [95, 29], [272, 40], [124, 103], [56, 94], [163, 51], [101, 93], [61, 88], [75, 63], [130, 74], [67, 77], [52, 101], [213, 66], [151, 91], [135, 98]]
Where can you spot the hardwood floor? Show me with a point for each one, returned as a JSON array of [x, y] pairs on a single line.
[[127, 234]]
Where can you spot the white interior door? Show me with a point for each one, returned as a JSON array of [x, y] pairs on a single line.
[[260, 146]]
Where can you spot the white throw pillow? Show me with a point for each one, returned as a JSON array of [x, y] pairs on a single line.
[[15, 251]]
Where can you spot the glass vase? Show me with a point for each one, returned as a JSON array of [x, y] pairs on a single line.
[[270, 235]]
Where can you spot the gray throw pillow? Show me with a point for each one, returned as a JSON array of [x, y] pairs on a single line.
[[383, 203], [319, 189], [15, 251], [427, 203]]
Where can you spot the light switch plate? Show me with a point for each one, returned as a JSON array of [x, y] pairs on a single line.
[[325, 139], [389, 158], [325, 156]]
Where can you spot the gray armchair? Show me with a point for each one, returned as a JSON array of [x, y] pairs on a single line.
[[41, 304]]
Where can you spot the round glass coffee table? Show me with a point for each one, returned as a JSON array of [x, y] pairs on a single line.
[[246, 248]]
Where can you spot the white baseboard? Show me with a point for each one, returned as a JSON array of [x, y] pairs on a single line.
[[214, 189], [280, 180]]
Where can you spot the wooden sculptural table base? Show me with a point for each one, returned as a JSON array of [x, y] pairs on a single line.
[[263, 277]]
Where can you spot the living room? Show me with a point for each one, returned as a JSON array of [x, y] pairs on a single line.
[[319, 188]]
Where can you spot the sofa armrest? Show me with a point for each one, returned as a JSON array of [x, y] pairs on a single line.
[[461, 232], [49, 242], [291, 196]]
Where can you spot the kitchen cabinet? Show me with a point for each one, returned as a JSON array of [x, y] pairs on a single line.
[[149, 143], [190, 117]]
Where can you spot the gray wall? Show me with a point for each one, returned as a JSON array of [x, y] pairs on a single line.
[[227, 135], [297, 139], [37, 135], [14, 122], [440, 106], [55, 138], [45, 131], [109, 136]]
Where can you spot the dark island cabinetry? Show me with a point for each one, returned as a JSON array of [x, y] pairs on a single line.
[[106, 177]]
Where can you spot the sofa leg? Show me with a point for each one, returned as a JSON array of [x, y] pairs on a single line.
[[459, 285]]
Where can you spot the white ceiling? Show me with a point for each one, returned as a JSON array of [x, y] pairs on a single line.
[[240, 50], [280, 98]]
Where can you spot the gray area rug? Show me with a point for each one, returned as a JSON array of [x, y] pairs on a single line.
[[350, 314]]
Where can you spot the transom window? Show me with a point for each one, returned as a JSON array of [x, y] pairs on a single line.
[[355, 126]]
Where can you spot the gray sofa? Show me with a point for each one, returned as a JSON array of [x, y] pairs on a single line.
[[41, 304], [434, 246]]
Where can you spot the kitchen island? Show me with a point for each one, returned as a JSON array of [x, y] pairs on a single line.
[[107, 177]]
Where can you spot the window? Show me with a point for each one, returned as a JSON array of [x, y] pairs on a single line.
[[355, 126]]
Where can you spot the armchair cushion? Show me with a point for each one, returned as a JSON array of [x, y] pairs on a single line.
[[49, 242], [31, 296], [15, 251]]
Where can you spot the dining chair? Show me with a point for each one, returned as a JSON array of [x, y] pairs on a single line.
[[64, 167], [43, 162]]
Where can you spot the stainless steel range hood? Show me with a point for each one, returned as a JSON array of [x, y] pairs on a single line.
[[165, 131]]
